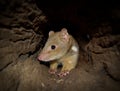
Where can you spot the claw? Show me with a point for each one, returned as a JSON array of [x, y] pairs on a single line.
[[63, 73], [52, 71]]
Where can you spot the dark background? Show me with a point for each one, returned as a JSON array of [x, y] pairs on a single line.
[[81, 15]]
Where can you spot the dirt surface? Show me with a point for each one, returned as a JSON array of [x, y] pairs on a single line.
[[21, 39]]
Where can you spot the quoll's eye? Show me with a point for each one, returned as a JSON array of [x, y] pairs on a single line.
[[53, 47]]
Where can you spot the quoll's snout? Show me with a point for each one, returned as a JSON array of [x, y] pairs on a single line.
[[42, 57], [39, 58]]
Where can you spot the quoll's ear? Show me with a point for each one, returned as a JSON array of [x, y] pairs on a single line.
[[51, 33], [65, 34]]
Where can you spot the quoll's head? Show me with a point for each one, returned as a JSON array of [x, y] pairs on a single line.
[[56, 46]]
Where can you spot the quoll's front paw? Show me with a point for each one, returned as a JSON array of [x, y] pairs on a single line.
[[63, 73], [52, 71]]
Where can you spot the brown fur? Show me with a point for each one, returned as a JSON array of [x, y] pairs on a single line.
[[66, 51]]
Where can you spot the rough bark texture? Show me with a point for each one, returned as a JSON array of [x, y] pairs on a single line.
[[22, 37]]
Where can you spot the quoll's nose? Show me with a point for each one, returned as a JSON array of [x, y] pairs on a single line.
[[42, 57], [39, 58]]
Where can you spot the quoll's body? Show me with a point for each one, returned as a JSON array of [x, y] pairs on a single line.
[[60, 48]]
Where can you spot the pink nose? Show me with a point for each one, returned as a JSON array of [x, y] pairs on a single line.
[[42, 57], [39, 58]]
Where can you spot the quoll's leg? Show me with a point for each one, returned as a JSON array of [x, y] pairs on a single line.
[[68, 65], [53, 67]]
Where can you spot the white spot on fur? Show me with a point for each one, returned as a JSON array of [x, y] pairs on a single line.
[[74, 48]]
